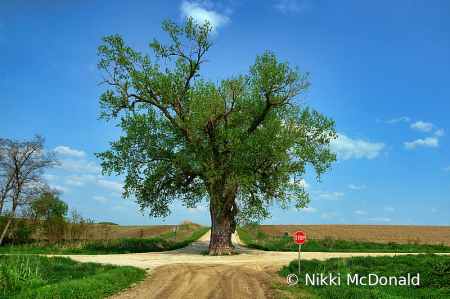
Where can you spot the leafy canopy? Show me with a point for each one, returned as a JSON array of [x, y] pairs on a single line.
[[246, 139], [48, 205]]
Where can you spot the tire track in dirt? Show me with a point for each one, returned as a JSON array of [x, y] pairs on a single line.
[[183, 273], [203, 281]]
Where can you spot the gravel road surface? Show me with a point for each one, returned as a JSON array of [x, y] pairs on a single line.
[[183, 273]]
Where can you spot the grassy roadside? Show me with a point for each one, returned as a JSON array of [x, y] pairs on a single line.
[[434, 277], [185, 236], [34, 276], [253, 237]]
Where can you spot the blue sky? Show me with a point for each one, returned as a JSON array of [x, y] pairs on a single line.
[[380, 69]]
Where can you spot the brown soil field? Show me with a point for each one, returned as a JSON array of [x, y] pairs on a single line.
[[367, 233]]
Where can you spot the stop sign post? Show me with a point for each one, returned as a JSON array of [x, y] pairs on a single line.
[[299, 238]]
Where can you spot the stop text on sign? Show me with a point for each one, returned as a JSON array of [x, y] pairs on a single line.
[[299, 237]]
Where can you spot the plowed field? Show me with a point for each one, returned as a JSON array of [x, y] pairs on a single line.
[[367, 233]]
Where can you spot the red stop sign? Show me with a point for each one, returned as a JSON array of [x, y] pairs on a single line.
[[299, 237]]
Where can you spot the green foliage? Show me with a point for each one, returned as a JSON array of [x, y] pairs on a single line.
[[42, 277], [434, 273], [108, 223], [18, 232], [19, 272], [416, 241], [189, 138], [48, 205]]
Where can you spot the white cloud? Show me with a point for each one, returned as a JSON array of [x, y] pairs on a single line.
[[79, 180], [100, 199], [115, 194], [66, 151], [346, 148], [79, 166], [439, 133], [75, 183], [325, 215], [88, 177], [301, 183], [292, 5], [202, 11], [118, 208], [388, 209], [316, 191], [50, 177], [110, 185], [445, 169], [91, 67], [334, 196], [433, 210], [308, 209], [200, 209], [422, 126], [380, 219], [60, 188], [354, 187], [83, 178], [428, 142], [361, 212], [129, 203], [405, 118]]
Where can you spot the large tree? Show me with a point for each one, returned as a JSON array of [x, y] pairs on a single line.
[[22, 165], [242, 143]]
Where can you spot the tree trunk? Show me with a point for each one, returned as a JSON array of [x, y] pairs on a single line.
[[223, 210], [221, 230], [5, 230]]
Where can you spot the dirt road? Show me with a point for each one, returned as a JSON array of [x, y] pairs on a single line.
[[183, 273]]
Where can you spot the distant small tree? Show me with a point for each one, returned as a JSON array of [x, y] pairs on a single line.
[[75, 217], [22, 165], [48, 205], [53, 211]]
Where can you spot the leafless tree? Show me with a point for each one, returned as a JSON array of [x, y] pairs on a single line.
[[22, 165]]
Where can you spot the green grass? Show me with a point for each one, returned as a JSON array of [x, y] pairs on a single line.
[[120, 246], [434, 273], [253, 237], [34, 276]]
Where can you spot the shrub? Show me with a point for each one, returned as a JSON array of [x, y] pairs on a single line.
[[55, 228], [18, 232]]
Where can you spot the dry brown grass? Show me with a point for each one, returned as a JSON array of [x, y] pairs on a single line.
[[122, 232], [112, 232]]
